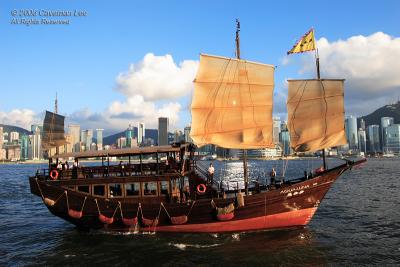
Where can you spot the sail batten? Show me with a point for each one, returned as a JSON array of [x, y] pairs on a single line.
[[232, 103], [316, 114]]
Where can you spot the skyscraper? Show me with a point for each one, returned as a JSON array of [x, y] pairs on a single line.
[[129, 135], [385, 122], [83, 140], [1, 137], [163, 125], [141, 132], [188, 139], [99, 138], [362, 140], [362, 124], [74, 130], [276, 129], [24, 146], [393, 138], [351, 132], [36, 143], [373, 138], [89, 139]]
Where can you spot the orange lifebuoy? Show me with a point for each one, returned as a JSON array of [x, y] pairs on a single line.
[[201, 188], [54, 174]]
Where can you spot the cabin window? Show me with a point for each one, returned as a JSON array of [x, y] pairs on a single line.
[[99, 190], [150, 189], [132, 189], [164, 188], [84, 189], [115, 190]]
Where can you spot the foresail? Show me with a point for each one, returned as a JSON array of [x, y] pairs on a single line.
[[316, 114], [53, 130], [232, 103]]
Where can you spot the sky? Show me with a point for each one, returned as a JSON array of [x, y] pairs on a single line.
[[122, 62]]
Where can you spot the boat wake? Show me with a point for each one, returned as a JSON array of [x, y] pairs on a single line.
[[183, 246]]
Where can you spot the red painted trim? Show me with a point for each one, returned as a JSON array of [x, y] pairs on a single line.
[[281, 220]]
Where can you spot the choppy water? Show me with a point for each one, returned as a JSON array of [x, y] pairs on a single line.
[[358, 223]]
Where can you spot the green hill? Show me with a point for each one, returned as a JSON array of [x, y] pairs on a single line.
[[392, 110], [11, 128]]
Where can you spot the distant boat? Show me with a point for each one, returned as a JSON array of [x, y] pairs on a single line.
[[231, 108]]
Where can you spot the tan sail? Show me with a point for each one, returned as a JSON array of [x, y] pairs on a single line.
[[232, 103], [316, 114], [53, 130]]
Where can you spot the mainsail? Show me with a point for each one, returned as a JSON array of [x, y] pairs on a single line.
[[53, 130], [232, 103], [316, 114]]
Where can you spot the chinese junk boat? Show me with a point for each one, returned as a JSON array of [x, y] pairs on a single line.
[[162, 189]]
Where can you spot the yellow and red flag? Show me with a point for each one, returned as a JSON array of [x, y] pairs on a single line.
[[306, 43]]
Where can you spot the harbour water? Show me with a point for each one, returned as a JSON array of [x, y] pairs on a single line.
[[358, 223]]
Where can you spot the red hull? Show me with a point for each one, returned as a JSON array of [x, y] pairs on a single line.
[[281, 220]]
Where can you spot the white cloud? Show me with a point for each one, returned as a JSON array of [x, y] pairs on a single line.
[[19, 117], [158, 78], [151, 88], [370, 65]]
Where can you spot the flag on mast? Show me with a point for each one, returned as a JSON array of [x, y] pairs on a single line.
[[306, 43]]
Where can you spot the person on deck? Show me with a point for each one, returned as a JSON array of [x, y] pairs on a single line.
[[272, 176], [211, 170], [121, 168]]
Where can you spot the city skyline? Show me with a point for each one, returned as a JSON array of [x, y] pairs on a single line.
[[142, 68]]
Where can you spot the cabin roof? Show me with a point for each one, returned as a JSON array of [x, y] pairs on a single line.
[[121, 152]]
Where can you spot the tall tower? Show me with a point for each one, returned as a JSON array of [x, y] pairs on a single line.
[[99, 137], [141, 132], [163, 125], [56, 105]]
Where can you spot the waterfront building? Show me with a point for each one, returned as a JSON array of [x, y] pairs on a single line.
[[86, 139], [133, 142], [178, 136], [257, 153], [393, 138], [74, 130], [362, 141], [14, 137], [99, 138], [121, 142], [186, 131], [385, 122], [13, 152], [35, 147], [163, 128], [141, 132], [276, 129], [284, 140], [351, 132], [148, 142], [373, 138], [24, 146]]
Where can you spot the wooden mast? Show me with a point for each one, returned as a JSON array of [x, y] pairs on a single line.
[[245, 174], [319, 78]]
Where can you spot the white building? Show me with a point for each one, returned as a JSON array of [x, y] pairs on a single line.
[[141, 132]]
